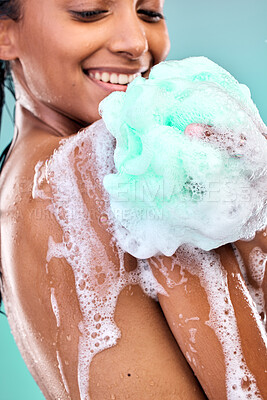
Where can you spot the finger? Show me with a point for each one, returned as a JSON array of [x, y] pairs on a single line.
[[198, 131]]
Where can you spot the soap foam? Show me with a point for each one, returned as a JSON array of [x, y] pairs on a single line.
[[240, 382], [60, 367], [193, 332], [171, 187], [98, 281], [55, 306], [257, 264]]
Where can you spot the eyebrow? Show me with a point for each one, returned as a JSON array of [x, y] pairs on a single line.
[[86, 3], [151, 3]]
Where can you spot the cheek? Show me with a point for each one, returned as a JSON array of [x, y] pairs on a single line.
[[160, 44], [50, 70]]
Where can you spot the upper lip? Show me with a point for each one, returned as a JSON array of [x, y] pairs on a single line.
[[119, 70]]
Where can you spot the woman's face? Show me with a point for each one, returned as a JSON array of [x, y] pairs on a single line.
[[67, 48]]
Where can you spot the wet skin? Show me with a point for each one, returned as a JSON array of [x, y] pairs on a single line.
[[147, 350], [57, 49], [52, 52]]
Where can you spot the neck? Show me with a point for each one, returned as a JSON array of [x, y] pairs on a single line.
[[32, 113], [40, 117]]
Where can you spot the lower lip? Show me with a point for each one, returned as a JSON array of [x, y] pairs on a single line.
[[109, 87]]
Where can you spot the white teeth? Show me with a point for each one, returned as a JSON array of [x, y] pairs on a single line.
[[105, 77], [113, 78], [121, 79]]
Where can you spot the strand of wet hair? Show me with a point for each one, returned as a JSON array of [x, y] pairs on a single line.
[[8, 9], [1, 312], [5, 83], [2, 100]]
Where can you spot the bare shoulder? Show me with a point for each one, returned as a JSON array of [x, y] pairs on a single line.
[[18, 172], [59, 261], [19, 211], [24, 280]]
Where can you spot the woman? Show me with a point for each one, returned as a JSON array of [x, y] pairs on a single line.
[[65, 57]]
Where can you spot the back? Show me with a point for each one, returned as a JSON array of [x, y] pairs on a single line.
[[64, 278]]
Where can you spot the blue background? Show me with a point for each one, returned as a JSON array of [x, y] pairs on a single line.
[[232, 33]]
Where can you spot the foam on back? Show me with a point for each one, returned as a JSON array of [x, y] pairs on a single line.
[[98, 281]]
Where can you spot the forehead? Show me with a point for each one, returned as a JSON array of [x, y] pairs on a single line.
[[92, 3], [29, 7]]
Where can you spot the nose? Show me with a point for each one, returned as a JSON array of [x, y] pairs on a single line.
[[128, 37]]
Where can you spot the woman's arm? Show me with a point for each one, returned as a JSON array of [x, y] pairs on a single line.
[[253, 258], [211, 314]]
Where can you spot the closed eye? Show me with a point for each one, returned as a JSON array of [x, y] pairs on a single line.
[[88, 16], [151, 16]]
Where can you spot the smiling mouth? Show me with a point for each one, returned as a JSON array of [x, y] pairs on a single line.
[[107, 77], [112, 81]]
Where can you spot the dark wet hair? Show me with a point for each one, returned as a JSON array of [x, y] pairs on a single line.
[[9, 9]]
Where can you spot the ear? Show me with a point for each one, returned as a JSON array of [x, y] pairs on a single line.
[[8, 48]]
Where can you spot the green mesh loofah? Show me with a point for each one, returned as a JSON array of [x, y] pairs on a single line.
[[163, 192]]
